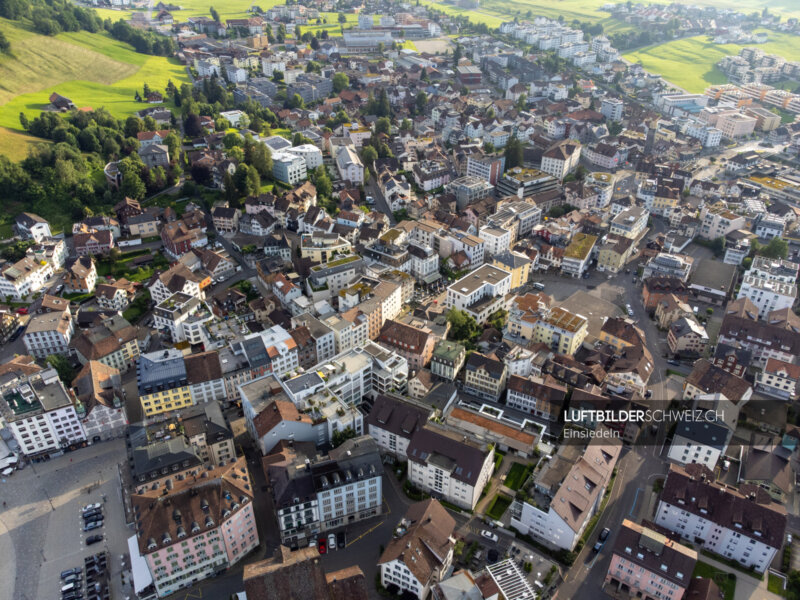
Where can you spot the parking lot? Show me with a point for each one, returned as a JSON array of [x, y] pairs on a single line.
[[42, 528]]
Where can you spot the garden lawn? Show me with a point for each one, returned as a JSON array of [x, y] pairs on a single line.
[[689, 63], [725, 581], [92, 69], [498, 507], [517, 475], [775, 585], [16, 145]]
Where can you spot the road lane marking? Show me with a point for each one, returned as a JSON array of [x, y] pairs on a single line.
[[367, 532]]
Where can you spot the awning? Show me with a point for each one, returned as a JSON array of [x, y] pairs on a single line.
[[142, 579], [435, 276]]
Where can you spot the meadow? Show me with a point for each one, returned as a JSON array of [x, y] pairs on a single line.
[[92, 69], [689, 63]]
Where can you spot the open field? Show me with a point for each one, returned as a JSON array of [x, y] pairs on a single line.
[[92, 69], [689, 63], [15, 144]]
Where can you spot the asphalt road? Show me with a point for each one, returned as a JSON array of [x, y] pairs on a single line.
[[373, 190]]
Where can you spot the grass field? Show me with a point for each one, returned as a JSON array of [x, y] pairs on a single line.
[[725, 581], [517, 475], [92, 69], [498, 506], [689, 63]]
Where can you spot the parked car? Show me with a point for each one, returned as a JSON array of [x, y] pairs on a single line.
[[22, 311], [321, 547], [489, 535], [629, 310], [68, 572], [92, 525], [332, 541], [370, 200], [17, 333], [92, 515], [674, 363], [93, 539], [89, 507], [340, 539]]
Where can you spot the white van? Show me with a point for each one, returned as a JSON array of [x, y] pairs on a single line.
[[69, 587]]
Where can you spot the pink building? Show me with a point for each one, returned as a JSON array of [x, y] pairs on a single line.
[[192, 528], [647, 564]]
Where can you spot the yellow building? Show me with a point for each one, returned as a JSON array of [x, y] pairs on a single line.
[[665, 201], [561, 330], [515, 263], [621, 333], [614, 254], [162, 382]]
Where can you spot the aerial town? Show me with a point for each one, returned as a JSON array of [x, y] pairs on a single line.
[[361, 299]]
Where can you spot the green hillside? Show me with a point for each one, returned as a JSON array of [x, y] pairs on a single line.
[[91, 69]]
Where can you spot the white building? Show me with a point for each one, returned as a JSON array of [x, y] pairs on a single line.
[[747, 530], [480, 293], [449, 466], [49, 333], [309, 153], [288, 167], [40, 414], [698, 442], [497, 240], [30, 226], [184, 318], [349, 165], [778, 379], [577, 500], [392, 422], [23, 278], [767, 295], [561, 159], [611, 108], [710, 137]]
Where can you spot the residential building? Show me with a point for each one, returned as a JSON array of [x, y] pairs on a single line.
[[543, 398], [486, 167], [560, 522], [113, 342], [701, 442], [665, 264], [25, 277], [745, 526], [421, 555], [779, 379], [349, 165], [578, 254], [469, 189], [49, 333], [415, 344], [80, 276], [204, 375], [183, 318], [447, 359], [178, 279], [717, 221], [561, 330], [393, 421], [162, 383], [614, 253], [485, 377], [40, 413], [115, 295], [523, 183], [444, 464], [194, 529], [30, 226], [289, 168], [647, 564], [94, 243], [630, 223], [561, 159], [99, 401], [686, 337], [767, 295], [480, 293]]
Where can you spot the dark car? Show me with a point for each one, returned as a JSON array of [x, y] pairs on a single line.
[[17, 333], [68, 572], [601, 540], [92, 515], [93, 539], [492, 555], [73, 595], [340, 539], [674, 363]]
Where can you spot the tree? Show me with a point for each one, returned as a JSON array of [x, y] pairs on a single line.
[[214, 14], [383, 125], [23, 120], [342, 18], [229, 192], [63, 367], [5, 45], [514, 153], [717, 246], [368, 155], [261, 160], [340, 82], [406, 125], [201, 174], [793, 586], [133, 125], [463, 328], [322, 181], [192, 125], [420, 102], [498, 319], [295, 101], [173, 144], [775, 248], [456, 55], [522, 102], [231, 139], [341, 436]]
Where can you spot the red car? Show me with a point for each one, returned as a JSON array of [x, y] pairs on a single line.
[[321, 546], [22, 311]]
